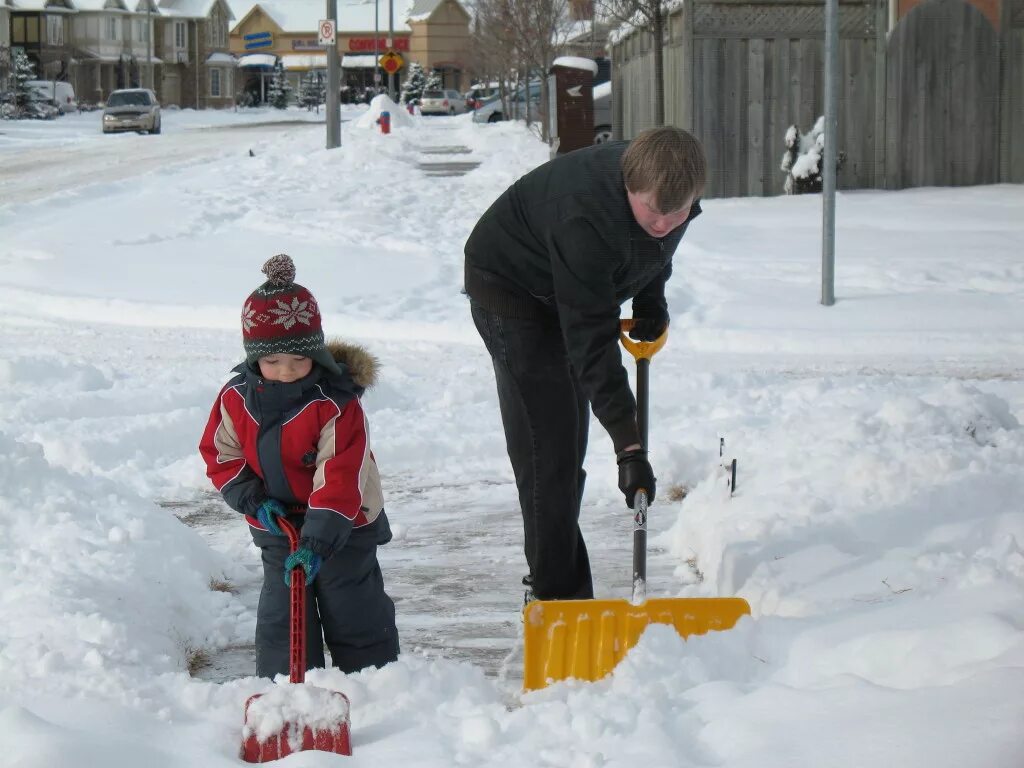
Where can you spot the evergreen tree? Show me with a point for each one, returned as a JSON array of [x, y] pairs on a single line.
[[414, 85], [24, 70], [434, 81], [312, 91], [280, 89]]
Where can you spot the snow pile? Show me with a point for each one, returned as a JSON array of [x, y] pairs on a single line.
[[400, 117], [102, 590]]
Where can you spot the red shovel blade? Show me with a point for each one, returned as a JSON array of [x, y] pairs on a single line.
[[292, 738]]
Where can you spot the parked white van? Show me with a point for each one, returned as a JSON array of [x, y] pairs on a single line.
[[58, 93]]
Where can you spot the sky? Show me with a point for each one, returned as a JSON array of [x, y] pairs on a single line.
[[876, 529]]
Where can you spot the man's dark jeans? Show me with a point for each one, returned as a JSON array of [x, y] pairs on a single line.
[[546, 417]]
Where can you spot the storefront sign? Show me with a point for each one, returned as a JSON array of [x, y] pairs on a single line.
[[366, 44], [306, 44], [258, 40]]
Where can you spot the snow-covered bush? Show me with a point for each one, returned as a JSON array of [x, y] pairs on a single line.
[[802, 160]]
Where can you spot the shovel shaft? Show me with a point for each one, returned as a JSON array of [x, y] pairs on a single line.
[[640, 548], [297, 619], [642, 352]]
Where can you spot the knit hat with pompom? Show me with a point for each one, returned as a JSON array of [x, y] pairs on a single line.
[[282, 317]]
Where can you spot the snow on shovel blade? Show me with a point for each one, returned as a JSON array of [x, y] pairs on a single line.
[[294, 718], [586, 639]]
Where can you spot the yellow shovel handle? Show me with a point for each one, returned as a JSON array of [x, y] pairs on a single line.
[[640, 350]]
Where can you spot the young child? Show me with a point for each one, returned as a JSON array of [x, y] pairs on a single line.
[[287, 437]]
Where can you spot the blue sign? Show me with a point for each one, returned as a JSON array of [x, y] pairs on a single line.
[[257, 40]]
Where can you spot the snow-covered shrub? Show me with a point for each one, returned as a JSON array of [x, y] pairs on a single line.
[[802, 160]]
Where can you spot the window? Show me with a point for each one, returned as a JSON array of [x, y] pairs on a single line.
[[215, 82], [111, 31], [55, 30], [179, 34], [18, 29]]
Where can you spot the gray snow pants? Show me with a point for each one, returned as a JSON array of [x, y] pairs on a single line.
[[346, 605]]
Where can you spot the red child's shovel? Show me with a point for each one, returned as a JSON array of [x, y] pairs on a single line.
[[294, 718]]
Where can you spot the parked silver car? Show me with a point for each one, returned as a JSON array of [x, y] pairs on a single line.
[[448, 102], [132, 109]]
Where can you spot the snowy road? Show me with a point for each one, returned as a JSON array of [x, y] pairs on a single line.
[[31, 173]]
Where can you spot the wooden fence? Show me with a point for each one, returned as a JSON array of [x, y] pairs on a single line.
[[738, 73]]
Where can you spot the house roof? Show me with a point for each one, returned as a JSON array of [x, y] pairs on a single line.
[[40, 5], [191, 9], [100, 5], [299, 16], [423, 9]]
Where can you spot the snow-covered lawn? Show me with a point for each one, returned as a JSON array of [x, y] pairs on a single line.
[[877, 529]]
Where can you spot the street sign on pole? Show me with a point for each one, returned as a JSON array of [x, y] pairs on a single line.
[[391, 62], [330, 25], [327, 32]]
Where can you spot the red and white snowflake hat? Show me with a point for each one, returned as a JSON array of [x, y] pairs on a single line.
[[282, 317]]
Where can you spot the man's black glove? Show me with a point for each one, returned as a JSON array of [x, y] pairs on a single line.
[[648, 328], [635, 473]]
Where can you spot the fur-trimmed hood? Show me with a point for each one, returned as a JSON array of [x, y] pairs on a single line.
[[362, 366]]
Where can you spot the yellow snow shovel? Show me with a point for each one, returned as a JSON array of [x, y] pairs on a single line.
[[585, 639]]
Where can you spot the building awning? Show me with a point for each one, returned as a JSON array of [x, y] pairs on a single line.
[[360, 61], [257, 60], [302, 61], [220, 58]]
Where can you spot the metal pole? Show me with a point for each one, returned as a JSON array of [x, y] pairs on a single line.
[[391, 43], [376, 46], [333, 82], [149, 43], [643, 378], [828, 244]]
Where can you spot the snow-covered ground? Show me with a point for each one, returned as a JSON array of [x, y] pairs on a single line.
[[877, 529]]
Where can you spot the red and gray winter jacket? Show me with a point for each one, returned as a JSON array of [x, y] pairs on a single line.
[[304, 443]]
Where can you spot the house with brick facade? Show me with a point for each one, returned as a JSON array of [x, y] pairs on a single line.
[[192, 42]]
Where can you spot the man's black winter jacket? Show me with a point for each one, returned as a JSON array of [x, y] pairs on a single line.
[[562, 241]]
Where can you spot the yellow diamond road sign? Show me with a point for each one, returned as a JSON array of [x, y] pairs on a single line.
[[391, 62]]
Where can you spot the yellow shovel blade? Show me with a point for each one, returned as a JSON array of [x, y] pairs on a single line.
[[585, 639]]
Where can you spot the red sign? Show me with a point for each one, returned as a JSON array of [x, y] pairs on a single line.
[[366, 44], [391, 62]]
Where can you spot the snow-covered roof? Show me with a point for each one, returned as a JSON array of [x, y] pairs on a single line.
[[305, 15], [41, 5], [219, 57], [358, 61], [576, 62], [304, 61], [257, 60], [100, 5], [191, 9], [421, 9]]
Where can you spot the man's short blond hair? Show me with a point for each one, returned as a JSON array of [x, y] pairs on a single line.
[[670, 163]]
